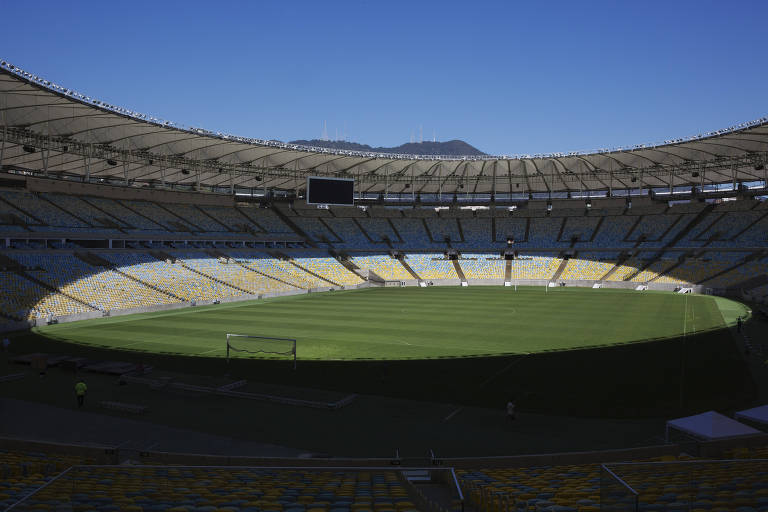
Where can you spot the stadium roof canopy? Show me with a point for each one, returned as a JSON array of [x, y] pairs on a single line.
[[49, 129]]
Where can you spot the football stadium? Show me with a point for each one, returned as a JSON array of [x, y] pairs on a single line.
[[256, 325]]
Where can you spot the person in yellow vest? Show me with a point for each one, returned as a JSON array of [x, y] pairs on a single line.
[[80, 390]]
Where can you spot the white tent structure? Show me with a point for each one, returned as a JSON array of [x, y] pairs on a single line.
[[709, 426], [756, 414]]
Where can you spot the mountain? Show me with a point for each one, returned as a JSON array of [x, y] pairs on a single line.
[[449, 148]]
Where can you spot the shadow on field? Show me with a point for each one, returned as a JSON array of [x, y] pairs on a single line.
[[663, 378]]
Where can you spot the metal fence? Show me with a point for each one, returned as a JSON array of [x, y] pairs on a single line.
[[685, 485], [294, 489]]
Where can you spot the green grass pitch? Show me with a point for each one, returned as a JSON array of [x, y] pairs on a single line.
[[416, 323]]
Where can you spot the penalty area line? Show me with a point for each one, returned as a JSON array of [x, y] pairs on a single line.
[[209, 351], [132, 344]]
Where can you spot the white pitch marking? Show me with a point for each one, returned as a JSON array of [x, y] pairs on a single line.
[[134, 343]]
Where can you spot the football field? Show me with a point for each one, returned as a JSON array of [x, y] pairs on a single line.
[[415, 323]]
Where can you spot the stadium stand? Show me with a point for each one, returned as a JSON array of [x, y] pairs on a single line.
[[477, 233], [197, 217], [328, 268], [535, 267], [581, 228], [41, 209], [624, 270], [587, 267], [431, 266], [171, 278], [278, 269], [384, 266], [160, 215], [23, 472], [482, 266], [348, 231], [223, 489], [413, 233], [514, 227], [378, 228], [102, 288], [653, 270], [612, 232], [544, 232], [444, 228]]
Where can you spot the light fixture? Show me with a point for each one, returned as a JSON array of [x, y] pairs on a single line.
[[111, 162], [28, 149], [589, 203]]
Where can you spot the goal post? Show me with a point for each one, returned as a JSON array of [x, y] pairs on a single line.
[[250, 344]]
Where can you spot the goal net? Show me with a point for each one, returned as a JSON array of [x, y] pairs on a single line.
[[255, 345]]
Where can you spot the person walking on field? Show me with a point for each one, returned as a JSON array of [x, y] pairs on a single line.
[[80, 390], [511, 410]]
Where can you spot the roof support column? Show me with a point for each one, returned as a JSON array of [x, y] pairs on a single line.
[[125, 172], [162, 176], [439, 183], [5, 136], [87, 161], [44, 154], [231, 183], [493, 183]]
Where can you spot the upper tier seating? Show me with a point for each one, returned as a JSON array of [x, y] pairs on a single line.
[[413, 233], [39, 208], [84, 210], [348, 231], [652, 227], [196, 217], [315, 229], [544, 232], [613, 231], [161, 215], [232, 218], [127, 216], [442, 228], [379, 228], [513, 227], [580, 227]]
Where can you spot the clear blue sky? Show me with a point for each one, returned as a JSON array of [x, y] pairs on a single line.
[[507, 77]]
